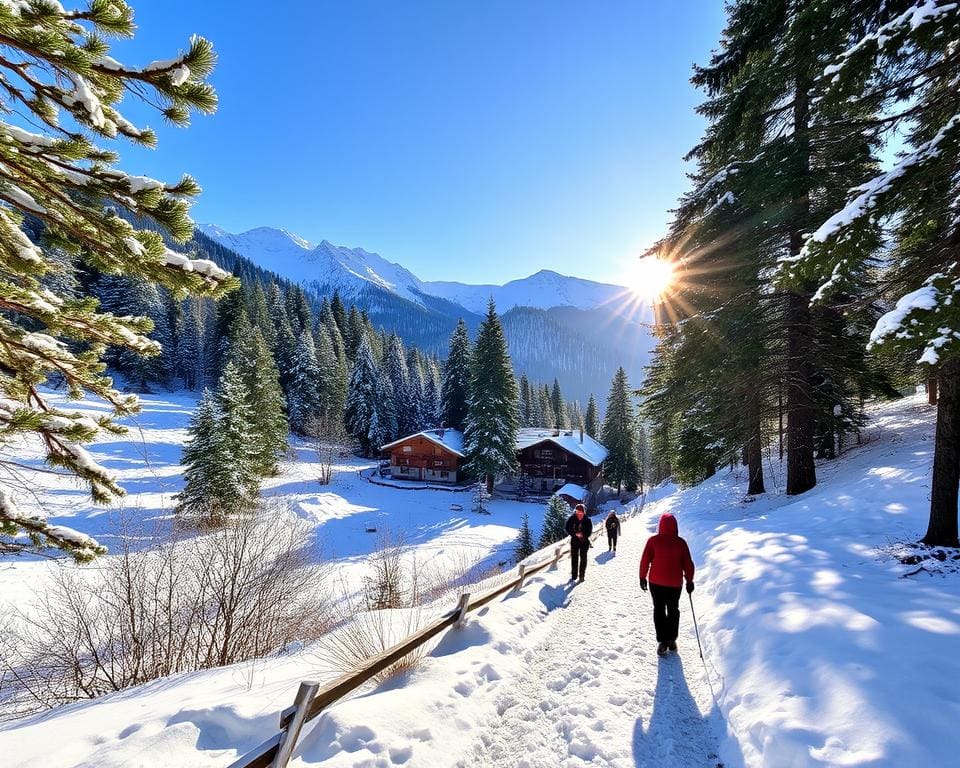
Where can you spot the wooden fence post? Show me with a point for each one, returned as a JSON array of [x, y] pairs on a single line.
[[462, 609], [308, 689], [556, 555], [523, 569]]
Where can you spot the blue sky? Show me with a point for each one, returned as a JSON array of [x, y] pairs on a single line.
[[470, 141]]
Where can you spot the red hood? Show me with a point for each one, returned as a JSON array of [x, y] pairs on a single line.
[[668, 525]]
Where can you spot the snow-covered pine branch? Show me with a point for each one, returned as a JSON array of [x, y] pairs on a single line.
[[56, 72], [928, 317]]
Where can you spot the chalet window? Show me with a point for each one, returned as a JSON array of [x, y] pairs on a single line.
[[543, 453], [438, 462], [408, 449], [444, 474]]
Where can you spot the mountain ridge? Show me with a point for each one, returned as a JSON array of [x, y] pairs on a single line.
[[326, 267], [577, 330]]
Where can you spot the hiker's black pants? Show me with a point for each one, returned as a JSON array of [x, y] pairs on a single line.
[[578, 556], [666, 612], [611, 539]]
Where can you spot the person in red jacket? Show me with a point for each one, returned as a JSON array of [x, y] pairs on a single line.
[[666, 560]]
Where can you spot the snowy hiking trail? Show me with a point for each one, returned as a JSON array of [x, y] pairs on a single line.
[[593, 690]]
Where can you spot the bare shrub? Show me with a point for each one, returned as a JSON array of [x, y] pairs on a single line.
[[400, 594], [329, 440], [240, 592], [387, 609]]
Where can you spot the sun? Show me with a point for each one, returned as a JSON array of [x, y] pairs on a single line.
[[650, 277]]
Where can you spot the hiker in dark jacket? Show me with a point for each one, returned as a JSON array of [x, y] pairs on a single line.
[[579, 526], [666, 559], [612, 524]]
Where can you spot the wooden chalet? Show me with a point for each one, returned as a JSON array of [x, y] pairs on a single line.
[[434, 455], [552, 458]]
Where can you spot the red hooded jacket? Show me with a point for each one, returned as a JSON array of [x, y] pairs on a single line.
[[666, 556]]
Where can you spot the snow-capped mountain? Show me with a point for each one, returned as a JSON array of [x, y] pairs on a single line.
[[327, 267], [543, 290]]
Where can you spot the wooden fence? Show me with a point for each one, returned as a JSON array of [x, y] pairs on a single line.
[[312, 699]]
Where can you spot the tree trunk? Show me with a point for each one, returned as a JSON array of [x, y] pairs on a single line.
[[942, 529], [801, 410], [801, 472], [932, 390], [754, 456], [489, 484], [780, 415]]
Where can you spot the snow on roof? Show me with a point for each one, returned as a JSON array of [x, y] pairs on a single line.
[[451, 439], [589, 450], [573, 490]]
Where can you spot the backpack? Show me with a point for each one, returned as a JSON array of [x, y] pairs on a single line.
[[612, 523]]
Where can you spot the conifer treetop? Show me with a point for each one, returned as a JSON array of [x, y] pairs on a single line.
[[61, 93]]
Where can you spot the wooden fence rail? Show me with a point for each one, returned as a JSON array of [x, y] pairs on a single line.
[[312, 698]]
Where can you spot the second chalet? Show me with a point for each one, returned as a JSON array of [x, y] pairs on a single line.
[[553, 458]]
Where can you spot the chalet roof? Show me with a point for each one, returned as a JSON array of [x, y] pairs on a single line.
[[451, 439], [589, 450], [573, 490]]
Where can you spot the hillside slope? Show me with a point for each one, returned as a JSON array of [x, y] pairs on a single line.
[[812, 630]]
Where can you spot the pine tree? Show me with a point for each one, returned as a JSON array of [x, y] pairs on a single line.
[[190, 345], [304, 392], [260, 316], [383, 419], [775, 158], [354, 334], [207, 460], [523, 547], [619, 435], [904, 66], [64, 178], [361, 397], [339, 314], [591, 419], [546, 408], [236, 424], [525, 402], [225, 318], [264, 398], [433, 416], [456, 378], [301, 316], [492, 422], [559, 407], [404, 406], [537, 416], [220, 476], [419, 403], [554, 521], [285, 350], [332, 378], [643, 455]]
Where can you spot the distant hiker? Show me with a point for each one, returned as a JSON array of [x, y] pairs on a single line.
[[667, 558], [612, 524], [579, 526]]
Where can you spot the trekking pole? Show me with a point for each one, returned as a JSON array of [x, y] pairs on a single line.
[[695, 627]]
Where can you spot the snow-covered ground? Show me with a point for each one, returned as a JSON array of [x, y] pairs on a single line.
[[147, 463], [822, 649]]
